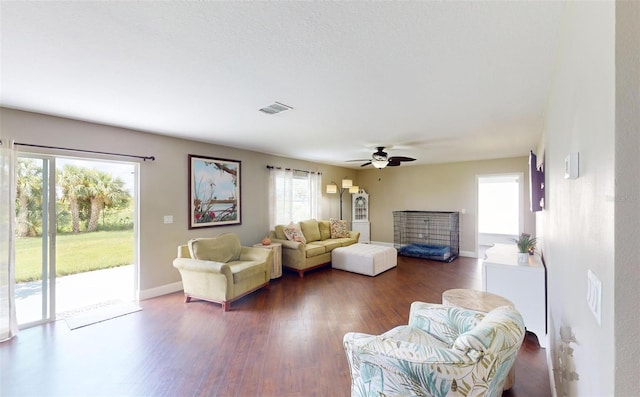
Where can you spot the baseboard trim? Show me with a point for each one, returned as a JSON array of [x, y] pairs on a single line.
[[382, 243], [552, 375], [159, 291], [468, 254]]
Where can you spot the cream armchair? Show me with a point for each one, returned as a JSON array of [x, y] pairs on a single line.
[[444, 351], [220, 270]]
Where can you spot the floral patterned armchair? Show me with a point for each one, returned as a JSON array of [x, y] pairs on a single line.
[[444, 351]]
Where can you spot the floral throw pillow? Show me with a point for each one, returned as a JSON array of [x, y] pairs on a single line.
[[339, 228], [294, 233]]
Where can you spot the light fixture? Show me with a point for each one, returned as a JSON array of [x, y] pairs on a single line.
[[380, 164], [347, 185]]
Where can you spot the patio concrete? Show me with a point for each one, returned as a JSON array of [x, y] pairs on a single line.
[[77, 292]]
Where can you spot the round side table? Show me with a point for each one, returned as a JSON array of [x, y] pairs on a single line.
[[482, 302], [276, 265]]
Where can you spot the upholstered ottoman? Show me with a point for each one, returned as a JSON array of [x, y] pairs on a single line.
[[367, 259]]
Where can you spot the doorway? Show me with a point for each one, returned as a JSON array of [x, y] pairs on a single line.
[[500, 203], [75, 236]]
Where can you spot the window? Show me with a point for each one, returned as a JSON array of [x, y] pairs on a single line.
[[499, 204], [293, 196]]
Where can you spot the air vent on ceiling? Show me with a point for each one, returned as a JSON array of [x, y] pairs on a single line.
[[277, 107]]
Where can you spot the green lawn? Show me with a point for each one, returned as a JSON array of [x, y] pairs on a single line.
[[75, 253]]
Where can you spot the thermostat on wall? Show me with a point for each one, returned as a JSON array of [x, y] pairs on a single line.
[[571, 166]]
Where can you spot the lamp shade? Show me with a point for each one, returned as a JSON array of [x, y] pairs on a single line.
[[346, 183], [332, 188], [354, 189]]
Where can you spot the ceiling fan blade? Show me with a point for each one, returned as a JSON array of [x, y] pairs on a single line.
[[366, 164], [401, 158], [393, 162]]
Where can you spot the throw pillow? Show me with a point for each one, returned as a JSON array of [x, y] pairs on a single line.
[[293, 233], [339, 228], [481, 336]]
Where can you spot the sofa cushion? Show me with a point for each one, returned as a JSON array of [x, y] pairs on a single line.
[[244, 270], [331, 244], [325, 229], [314, 249], [294, 233], [310, 229], [339, 228], [279, 230], [222, 248]]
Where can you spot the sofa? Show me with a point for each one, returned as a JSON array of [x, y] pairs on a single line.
[[308, 244], [442, 351], [219, 269]]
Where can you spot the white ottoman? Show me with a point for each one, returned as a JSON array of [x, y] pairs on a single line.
[[365, 259]]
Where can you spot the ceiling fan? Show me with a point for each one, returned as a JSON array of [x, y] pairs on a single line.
[[381, 159]]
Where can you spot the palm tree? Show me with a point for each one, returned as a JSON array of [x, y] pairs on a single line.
[[28, 197], [104, 191], [73, 181]]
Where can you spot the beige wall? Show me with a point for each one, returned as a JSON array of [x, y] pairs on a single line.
[[164, 184], [438, 187], [586, 222]]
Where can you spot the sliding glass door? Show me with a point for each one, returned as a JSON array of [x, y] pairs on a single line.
[[35, 240], [75, 240]]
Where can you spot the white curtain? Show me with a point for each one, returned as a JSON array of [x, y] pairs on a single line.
[[315, 194], [293, 196], [8, 323], [280, 197]]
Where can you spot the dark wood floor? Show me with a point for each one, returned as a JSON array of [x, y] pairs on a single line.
[[286, 341]]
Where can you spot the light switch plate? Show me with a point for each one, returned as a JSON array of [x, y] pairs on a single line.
[[572, 166], [168, 219], [594, 295]]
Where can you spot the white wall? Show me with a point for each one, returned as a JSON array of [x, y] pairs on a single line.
[[627, 228], [164, 184], [578, 226]]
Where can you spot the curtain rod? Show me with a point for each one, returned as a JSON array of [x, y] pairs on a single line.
[[143, 158], [271, 167]]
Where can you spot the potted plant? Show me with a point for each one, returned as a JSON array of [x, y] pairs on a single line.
[[526, 246]]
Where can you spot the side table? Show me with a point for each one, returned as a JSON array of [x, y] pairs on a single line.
[[276, 265], [482, 302]]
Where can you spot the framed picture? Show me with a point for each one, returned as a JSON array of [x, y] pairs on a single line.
[[214, 192]]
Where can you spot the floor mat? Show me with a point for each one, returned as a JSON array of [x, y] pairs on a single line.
[[100, 314]]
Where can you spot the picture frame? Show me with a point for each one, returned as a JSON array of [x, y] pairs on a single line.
[[214, 192]]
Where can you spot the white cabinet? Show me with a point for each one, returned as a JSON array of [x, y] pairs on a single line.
[[522, 284], [360, 214]]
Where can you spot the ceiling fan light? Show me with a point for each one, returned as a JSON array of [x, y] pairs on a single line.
[[379, 163], [379, 157]]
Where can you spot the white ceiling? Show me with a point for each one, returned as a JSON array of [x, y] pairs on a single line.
[[439, 81]]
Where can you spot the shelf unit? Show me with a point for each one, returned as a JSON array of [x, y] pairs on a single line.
[[360, 215]]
